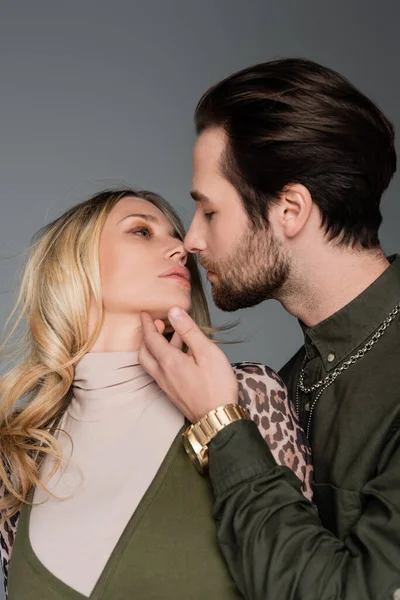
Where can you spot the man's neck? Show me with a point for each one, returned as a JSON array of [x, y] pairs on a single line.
[[330, 282]]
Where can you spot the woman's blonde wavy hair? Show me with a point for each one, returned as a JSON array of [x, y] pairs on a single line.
[[60, 277]]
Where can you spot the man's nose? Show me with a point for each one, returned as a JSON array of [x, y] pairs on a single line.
[[194, 241]]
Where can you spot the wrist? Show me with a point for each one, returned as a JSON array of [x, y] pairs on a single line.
[[197, 437], [202, 411]]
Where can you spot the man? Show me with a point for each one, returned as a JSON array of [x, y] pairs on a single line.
[[290, 166]]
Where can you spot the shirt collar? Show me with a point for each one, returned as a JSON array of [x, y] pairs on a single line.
[[339, 335]]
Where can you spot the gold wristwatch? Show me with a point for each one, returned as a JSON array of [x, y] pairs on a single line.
[[197, 437]]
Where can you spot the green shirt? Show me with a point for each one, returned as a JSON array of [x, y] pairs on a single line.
[[277, 545]]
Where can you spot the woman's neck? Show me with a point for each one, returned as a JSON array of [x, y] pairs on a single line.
[[119, 333]]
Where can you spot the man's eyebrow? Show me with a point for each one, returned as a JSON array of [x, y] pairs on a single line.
[[151, 219], [199, 197]]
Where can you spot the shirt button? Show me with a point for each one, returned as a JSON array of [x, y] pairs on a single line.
[[331, 357], [307, 406], [396, 594]]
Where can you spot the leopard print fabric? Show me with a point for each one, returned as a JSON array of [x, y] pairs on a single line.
[[265, 396], [8, 530]]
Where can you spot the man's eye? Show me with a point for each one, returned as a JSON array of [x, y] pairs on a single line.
[[141, 232], [209, 215]]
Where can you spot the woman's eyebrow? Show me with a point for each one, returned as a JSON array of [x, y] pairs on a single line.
[[144, 216]]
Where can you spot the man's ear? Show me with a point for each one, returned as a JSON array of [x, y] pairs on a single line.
[[293, 209]]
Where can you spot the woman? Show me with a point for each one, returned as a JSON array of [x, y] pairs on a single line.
[[93, 470]]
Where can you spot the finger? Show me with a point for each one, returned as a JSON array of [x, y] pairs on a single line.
[[190, 333], [176, 341], [160, 325], [156, 343], [147, 322], [148, 362]]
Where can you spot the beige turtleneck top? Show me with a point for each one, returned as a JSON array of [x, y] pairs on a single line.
[[121, 425]]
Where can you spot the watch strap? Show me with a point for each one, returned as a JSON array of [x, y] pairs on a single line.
[[215, 420]]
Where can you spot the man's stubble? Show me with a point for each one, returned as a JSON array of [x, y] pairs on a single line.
[[255, 270]]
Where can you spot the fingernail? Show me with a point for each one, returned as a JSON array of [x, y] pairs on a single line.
[[175, 313]]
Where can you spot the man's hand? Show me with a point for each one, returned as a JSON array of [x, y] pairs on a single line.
[[196, 382]]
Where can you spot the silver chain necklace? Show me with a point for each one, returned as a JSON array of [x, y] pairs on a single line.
[[324, 383]]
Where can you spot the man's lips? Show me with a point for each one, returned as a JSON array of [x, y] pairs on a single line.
[[210, 275]]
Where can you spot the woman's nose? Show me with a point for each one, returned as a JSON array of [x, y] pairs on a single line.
[[178, 253]]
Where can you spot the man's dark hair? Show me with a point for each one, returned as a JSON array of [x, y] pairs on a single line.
[[295, 121]]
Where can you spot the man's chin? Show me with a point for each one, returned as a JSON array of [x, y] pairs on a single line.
[[228, 301]]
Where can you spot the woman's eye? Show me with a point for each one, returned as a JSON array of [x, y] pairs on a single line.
[[209, 215], [141, 232]]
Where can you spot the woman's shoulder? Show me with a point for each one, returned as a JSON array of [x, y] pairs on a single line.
[[257, 370], [265, 396], [260, 387]]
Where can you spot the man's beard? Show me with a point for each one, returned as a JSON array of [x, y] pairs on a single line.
[[255, 271]]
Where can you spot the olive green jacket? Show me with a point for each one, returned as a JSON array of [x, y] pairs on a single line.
[[276, 545]]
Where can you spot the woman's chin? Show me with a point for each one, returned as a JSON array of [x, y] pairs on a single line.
[[182, 300], [162, 313]]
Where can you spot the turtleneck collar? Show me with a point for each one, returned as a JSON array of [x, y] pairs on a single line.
[[105, 381]]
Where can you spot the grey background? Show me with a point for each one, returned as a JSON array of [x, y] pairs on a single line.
[[95, 94]]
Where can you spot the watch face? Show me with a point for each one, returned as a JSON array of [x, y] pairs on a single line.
[[192, 454]]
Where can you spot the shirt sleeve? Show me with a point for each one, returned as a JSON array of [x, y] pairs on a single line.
[[265, 396], [273, 540]]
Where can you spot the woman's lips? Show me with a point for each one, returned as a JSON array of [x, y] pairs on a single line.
[[179, 274], [179, 279]]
